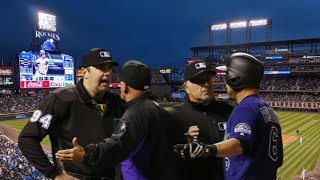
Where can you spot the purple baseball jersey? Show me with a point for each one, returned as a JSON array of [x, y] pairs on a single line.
[[256, 125]]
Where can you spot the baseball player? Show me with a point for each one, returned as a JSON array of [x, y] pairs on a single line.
[[300, 139], [86, 110], [41, 65], [303, 173], [253, 144]]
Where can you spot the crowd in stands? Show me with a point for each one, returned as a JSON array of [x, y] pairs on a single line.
[[282, 83], [293, 83], [16, 104], [300, 68], [292, 97], [157, 78], [13, 164]]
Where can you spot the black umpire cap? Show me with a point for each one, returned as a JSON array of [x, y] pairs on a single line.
[[192, 70], [97, 56], [136, 74]]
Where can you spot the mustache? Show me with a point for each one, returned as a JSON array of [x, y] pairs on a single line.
[[105, 80]]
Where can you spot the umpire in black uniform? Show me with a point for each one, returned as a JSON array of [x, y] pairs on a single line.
[[202, 110], [87, 110]]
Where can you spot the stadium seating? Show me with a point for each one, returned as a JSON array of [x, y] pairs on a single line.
[[17, 104], [13, 165]]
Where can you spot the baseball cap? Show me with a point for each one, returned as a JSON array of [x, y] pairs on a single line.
[[136, 75], [97, 56], [197, 67]]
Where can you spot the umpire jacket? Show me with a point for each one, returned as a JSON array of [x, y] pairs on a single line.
[[66, 113], [140, 141], [211, 121]]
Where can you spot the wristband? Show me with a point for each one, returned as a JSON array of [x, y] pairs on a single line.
[[211, 150]]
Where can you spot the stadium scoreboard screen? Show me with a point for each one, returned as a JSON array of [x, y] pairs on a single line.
[[6, 82], [51, 71], [6, 77]]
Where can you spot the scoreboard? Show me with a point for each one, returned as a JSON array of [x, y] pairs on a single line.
[[6, 77], [57, 70], [6, 82]]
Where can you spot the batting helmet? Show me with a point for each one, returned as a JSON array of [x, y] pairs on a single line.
[[243, 71]]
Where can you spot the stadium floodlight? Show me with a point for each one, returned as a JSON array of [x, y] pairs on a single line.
[[47, 22], [261, 22], [239, 24], [218, 27]]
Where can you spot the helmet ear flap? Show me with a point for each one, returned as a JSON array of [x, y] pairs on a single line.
[[234, 80]]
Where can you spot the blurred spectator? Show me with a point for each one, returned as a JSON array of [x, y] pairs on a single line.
[[13, 164], [16, 104], [292, 97]]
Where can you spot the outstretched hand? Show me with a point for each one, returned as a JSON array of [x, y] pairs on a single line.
[[74, 155]]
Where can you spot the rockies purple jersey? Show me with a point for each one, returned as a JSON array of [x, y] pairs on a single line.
[[257, 127]]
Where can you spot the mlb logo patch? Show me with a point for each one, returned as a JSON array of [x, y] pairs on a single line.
[[222, 126], [104, 54], [200, 65]]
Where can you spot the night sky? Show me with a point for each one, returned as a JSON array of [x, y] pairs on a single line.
[[157, 32]]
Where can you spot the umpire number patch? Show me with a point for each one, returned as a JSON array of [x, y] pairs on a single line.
[[35, 116], [44, 120], [242, 128]]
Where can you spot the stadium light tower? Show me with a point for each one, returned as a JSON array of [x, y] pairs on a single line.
[[216, 27], [248, 24]]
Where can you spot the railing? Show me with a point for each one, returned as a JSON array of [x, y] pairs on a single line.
[[19, 115], [295, 106]]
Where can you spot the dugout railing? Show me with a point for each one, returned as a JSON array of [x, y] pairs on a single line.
[[19, 115]]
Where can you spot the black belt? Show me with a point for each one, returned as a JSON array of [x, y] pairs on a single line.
[[85, 177]]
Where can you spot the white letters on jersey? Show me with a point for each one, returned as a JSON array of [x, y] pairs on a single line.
[[45, 120], [227, 163]]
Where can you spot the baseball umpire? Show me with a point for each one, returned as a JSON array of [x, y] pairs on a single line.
[[86, 110], [253, 144], [202, 110]]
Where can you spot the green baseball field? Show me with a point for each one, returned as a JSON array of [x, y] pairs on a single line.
[[296, 155]]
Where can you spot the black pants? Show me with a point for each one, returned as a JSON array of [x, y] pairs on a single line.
[[84, 177]]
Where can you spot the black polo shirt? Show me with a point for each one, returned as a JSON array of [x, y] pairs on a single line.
[[66, 113]]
